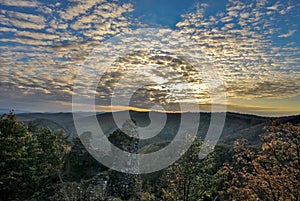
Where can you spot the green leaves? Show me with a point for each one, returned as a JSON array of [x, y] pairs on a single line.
[[191, 178], [26, 155]]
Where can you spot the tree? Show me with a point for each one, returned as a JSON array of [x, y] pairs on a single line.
[[191, 178], [53, 150], [273, 172], [26, 155]]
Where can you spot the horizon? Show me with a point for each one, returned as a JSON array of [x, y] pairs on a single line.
[[133, 55], [18, 112]]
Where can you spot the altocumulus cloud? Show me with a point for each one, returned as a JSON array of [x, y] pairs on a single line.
[[44, 44]]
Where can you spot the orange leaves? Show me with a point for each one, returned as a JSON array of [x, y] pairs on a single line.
[[270, 173]]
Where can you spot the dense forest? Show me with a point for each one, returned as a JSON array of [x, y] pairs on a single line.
[[40, 164]]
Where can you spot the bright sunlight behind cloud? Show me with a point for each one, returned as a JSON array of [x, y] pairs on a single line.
[[254, 45]]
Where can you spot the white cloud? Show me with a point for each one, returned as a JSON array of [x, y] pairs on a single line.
[[288, 34], [46, 54], [20, 3], [251, 65], [50, 46], [25, 24]]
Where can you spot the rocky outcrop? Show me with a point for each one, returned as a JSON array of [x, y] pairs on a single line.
[[123, 184], [79, 163]]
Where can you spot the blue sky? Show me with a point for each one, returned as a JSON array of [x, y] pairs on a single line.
[[253, 46]]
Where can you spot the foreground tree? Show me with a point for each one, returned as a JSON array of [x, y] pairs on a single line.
[[271, 173], [26, 155], [192, 178]]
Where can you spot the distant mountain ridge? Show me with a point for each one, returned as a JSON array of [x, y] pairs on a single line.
[[5, 111], [236, 125]]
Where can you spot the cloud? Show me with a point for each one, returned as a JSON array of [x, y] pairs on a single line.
[[274, 7], [287, 9], [22, 20], [288, 34], [44, 45], [20, 3], [77, 7], [252, 66], [40, 53]]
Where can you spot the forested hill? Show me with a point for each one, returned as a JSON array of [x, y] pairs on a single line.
[[225, 174], [236, 125]]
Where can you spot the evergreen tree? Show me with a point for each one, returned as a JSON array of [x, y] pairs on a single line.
[[26, 155]]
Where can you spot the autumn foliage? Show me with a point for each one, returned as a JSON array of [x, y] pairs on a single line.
[[271, 173]]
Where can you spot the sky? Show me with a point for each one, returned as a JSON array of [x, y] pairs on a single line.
[[240, 55]]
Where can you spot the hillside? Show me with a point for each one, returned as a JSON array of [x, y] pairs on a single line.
[[82, 171], [236, 125]]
